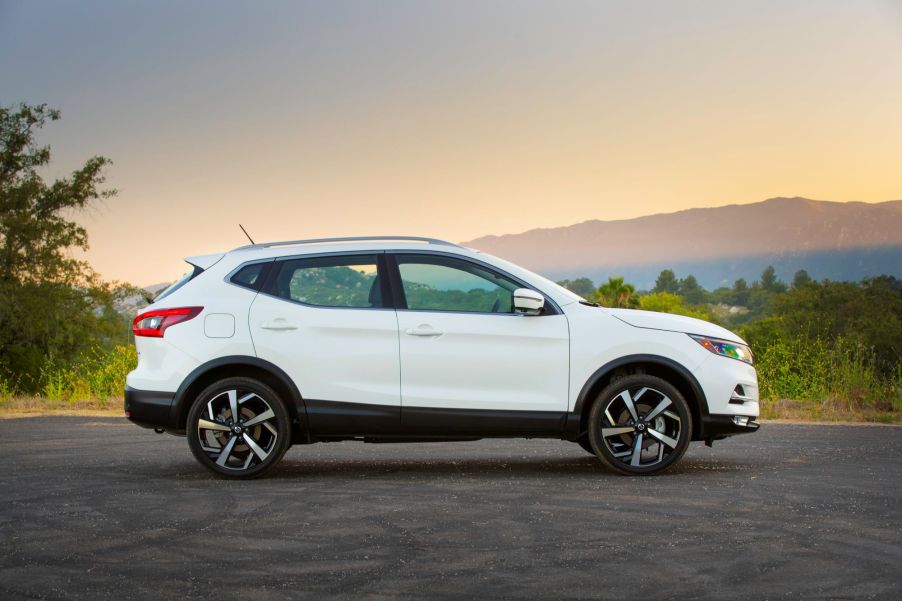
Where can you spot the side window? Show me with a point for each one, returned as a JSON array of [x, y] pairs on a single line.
[[434, 283], [249, 276], [348, 281]]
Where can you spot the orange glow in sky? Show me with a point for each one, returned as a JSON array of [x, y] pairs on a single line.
[[451, 119]]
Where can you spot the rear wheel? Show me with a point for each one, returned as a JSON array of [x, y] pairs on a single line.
[[238, 428], [640, 425]]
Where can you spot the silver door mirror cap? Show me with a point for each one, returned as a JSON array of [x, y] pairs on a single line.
[[528, 302]]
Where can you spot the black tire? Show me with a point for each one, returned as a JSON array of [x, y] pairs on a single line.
[[659, 425], [583, 441], [254, 444]]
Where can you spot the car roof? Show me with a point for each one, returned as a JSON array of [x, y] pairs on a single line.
[[346, 244]]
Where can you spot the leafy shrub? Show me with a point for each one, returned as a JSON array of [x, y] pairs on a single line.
[[668, 302], [100, 374], [839, 375]]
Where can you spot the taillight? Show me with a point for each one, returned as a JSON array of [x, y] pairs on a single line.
[[154, 323]]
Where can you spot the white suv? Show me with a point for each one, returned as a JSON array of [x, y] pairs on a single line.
[[406, 339]]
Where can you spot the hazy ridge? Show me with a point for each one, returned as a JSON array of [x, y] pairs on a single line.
[[836, 240]]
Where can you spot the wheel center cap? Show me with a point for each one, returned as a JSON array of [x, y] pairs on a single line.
[[640, 426], [237, 429]]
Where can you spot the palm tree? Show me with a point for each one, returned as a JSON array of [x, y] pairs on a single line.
[[616, 293]]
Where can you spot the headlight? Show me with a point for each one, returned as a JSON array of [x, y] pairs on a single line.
[[725, 348]]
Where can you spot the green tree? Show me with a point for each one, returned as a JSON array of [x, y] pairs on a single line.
[[770, 282], [692, 291], [581, 286], [667, 282], [52, 305], [740, 293], [800, 278], [616, 293], [869, 313]]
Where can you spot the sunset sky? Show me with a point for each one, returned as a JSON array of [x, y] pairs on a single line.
[[450, 119]]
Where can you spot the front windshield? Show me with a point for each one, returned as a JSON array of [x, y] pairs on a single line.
[[541, 282]]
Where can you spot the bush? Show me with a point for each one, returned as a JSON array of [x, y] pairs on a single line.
[[100, 374], [668, 302], [839, 376]]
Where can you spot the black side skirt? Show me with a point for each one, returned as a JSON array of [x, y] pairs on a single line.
[[333, 419]]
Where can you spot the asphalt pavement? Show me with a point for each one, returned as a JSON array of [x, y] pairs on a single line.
[[96, 508]]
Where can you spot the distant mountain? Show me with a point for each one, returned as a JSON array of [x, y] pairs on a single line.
[[836, 240]]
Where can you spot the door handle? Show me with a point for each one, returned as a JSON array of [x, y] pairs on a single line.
[[278, 325], [422, 330]]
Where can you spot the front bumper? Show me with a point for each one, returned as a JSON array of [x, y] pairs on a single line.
[[718, 427], [149, 408]]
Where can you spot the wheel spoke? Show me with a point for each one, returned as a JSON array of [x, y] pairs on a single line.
[[266, 415], [664, 404], [672, 415], [226, 451], [247, 397], [255, 447], [209, 425], [615, 431], [233, 404], [637, 451], [670, 442], [628, 401]]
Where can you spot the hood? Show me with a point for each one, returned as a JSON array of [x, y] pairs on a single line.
[[653, 320]]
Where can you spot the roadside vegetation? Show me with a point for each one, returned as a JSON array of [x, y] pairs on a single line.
[[824, 350], [58, 319]]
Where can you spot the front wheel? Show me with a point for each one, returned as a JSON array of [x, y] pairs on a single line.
[[238, 428], [584, 442], [640, 425]]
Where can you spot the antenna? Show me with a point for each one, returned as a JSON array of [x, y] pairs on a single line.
[[246, 234]]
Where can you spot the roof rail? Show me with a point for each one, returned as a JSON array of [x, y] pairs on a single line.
[[349, 239]]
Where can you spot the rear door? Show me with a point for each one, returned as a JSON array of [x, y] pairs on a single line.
[[327, 322], [469, 363]]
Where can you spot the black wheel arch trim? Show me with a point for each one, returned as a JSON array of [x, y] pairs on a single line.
[[574, 418], [180, 399]]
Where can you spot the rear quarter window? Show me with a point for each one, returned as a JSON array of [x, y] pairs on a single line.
[[187, 277], [250, 276]]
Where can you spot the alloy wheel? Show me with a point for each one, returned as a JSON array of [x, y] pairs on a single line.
[[237, 430], [640, 428]]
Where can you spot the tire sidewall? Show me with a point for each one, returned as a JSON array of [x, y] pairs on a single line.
[[613, 389], [283, 426]]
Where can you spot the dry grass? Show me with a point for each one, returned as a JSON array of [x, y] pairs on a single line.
[[825, 411], [33, 406]]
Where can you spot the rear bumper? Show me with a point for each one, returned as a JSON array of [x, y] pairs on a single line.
[[149, 408], [717, 427]]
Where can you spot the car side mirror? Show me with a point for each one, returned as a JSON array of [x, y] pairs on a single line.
[[528, 302]]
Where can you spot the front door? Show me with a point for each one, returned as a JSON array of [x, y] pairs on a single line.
[[470, 365]]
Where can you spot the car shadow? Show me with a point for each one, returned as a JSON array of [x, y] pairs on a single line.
[[489, 468]]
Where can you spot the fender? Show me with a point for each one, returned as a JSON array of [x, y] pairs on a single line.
[[179, 400], [574, 417]]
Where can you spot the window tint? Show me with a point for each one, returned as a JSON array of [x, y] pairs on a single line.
[[249, 276], [350, 281], [187, 277], [446, 284]]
